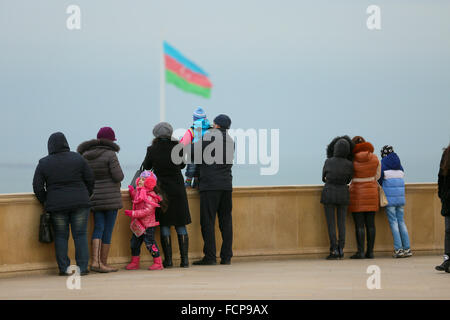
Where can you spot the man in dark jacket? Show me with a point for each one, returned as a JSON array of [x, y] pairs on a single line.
[[215, 186], [63, 183]]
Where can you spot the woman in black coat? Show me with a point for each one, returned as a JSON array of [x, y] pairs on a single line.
[[337, 173], [171, 182], [444, 195]]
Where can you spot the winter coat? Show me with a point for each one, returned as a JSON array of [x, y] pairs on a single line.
[[215, 176], [337, 172], [62, 180], [444, 190], [102, 158], [144, 205], [364, 194], [392, 180], [197, 130], [170, 180]]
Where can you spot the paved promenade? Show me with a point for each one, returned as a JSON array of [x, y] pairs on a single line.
[[249, 278]]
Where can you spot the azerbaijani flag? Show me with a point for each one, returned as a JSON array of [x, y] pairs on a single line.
[[184, 73]]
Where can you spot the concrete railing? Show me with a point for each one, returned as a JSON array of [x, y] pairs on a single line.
[[273, 220]]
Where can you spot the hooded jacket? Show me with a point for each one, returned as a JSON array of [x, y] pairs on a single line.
[[102, 159], [62, 180], [392, 180], [196, 131], [366, 166], [337, 172], [145, 202]]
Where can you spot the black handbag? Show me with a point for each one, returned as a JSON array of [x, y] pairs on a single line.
[[45, 229]]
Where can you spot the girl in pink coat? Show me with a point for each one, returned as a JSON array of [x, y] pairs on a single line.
[[143, 221]]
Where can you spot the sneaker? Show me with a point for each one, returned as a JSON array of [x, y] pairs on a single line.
[[407, 253], [398, 253]]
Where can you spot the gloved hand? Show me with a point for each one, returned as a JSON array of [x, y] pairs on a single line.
[[130, 189], [129, 213]]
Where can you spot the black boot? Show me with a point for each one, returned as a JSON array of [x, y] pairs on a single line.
[[360, 235], [334, 255], [341, 252], [445, 265], [166, 244], [183, 244]]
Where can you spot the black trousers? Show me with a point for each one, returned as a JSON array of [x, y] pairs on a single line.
[[330, 215], [365, 221], [149, 238], [212, 202], [447, 236]]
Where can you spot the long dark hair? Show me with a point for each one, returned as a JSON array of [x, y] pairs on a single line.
[[164, 204], [445, 162]]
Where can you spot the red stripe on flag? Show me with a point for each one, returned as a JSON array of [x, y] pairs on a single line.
[[185, 73]]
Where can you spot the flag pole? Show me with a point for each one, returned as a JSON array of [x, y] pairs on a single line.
[[162, 86]]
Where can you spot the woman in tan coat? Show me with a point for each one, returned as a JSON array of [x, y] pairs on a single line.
[[364, 199]]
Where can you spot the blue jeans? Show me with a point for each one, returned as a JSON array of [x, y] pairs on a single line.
[[192, 170], [77, 219], [165, 231], [398, 227], [103, 225]]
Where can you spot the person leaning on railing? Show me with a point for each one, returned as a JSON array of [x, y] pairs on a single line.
[[63, 183], [101, 155], [444, 195], [337, 173], [364, 198], [158, 158], [216, 187]]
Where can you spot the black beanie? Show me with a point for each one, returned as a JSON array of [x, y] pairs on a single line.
[[223, 121], [386, 151]]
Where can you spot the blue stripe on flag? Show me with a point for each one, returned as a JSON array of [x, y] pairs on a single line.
[[174, 53]]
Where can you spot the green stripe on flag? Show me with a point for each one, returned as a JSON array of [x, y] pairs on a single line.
[[181, 83]]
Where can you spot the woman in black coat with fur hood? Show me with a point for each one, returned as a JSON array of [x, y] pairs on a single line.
[[337, 173]]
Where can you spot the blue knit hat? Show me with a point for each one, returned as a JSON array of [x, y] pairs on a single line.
[[199, 113]]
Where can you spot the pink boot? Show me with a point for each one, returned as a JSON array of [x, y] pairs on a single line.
[[157, 264], [134, 264]]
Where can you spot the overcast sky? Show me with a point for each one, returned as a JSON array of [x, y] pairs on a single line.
[[309, 68]]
